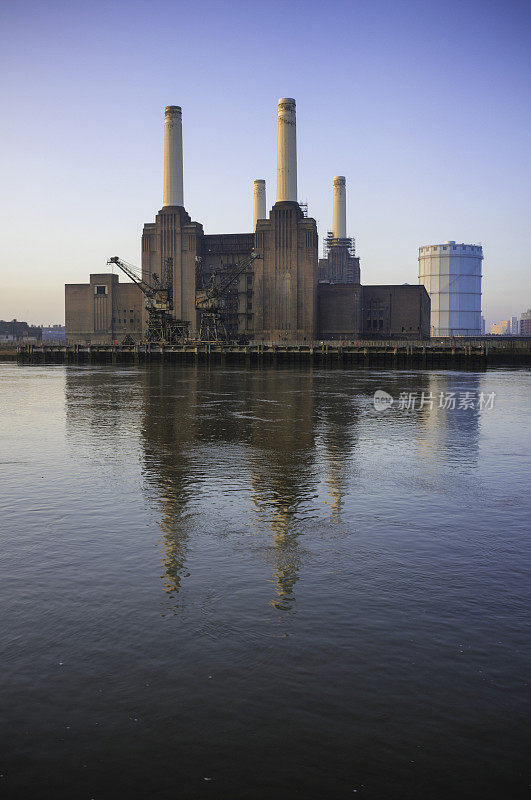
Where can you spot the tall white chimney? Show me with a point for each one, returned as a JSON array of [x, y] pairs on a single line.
[[259, 201], [286, 151], [173, 157], [339, 222]]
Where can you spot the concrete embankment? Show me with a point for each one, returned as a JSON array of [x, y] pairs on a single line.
[[442, 353]]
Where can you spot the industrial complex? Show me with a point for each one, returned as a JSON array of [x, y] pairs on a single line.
[[267, 285]]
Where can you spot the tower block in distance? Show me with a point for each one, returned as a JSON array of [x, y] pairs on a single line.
[[173, 241], [286, 273]]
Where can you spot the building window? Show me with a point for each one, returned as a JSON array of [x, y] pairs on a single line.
[[101, 289]]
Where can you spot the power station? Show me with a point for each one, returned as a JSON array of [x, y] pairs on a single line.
[[267, 285]]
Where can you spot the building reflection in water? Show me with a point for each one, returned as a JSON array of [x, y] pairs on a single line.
[[338, 413], [169, 430], [277, 436], [283, 471], [270, 416], [452, 430]]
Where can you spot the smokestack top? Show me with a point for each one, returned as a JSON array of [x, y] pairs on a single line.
[[259, 201], [173, 157], [339, 223], [287, 151]]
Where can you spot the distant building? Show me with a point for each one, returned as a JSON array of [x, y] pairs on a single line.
[[508, 327], [525, 323], [15, 331], [53, 334], [500, 328], [103, 310], [451, 274], [483, 326]]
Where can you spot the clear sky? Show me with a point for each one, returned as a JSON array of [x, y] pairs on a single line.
[[423, 106]]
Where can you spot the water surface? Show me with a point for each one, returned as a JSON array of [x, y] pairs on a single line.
[[240, 584]]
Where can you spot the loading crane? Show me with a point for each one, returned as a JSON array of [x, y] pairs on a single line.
[[162, 327], [209, 300]]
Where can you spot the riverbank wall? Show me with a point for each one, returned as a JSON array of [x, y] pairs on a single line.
[[444, 353]]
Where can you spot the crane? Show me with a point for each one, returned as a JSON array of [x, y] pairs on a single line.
[[162, 327], [209, 300]]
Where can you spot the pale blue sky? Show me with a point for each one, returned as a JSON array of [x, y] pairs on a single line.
[[423, 106]]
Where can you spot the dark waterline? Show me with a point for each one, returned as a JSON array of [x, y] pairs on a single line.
[[236, 583]]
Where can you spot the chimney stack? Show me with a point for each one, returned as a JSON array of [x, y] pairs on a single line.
[[173, 157], [339, 223], [259, 201], [286, 151]]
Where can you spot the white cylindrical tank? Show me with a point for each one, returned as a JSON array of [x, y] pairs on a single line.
[[286, 151], [173, 157], [339, 218], [259, 201], [451, 274]]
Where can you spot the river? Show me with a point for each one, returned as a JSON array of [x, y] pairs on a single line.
[[250, 583]]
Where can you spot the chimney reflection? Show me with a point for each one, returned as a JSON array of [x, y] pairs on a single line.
[[270, 415], [275, 416], [338, 414], [272, 450], [168, 432], [260, 444], [283, 470]]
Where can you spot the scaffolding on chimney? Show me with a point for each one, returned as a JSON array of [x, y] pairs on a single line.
[[331, 241]]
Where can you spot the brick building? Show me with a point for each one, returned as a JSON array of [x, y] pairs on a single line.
[[280, 298], [103, 311]]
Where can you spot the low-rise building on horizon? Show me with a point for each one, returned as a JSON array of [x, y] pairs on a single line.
[[17, 331], [500, 328]]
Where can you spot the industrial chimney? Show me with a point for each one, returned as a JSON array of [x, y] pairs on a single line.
[[286, 151], [339, 221], [173, 157], [259, 201]]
